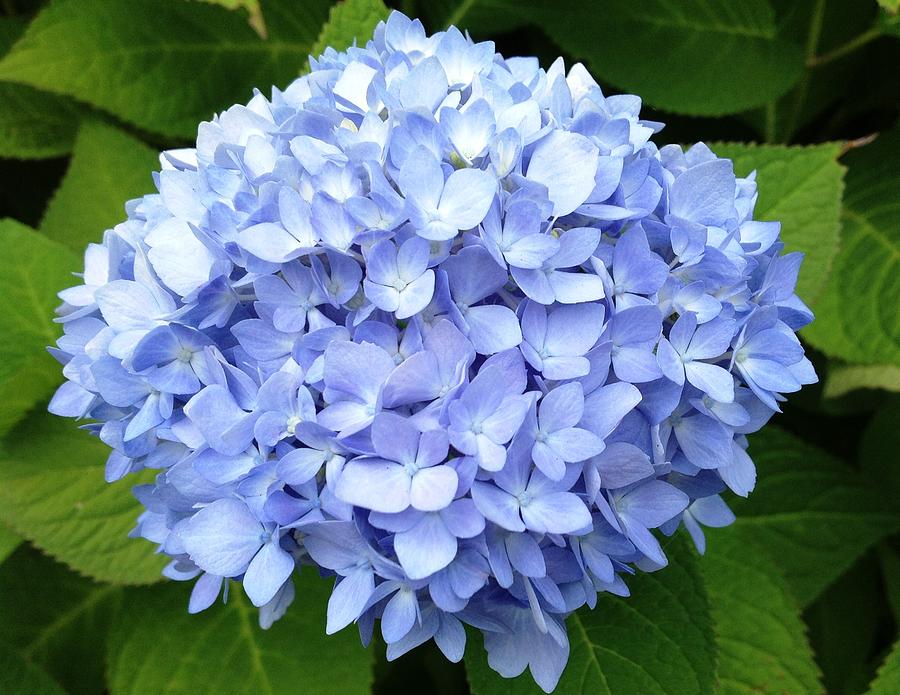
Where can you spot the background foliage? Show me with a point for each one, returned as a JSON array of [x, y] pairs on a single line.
[[800, 595]]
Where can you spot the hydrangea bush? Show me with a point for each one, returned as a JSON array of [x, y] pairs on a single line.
[[448, 327]]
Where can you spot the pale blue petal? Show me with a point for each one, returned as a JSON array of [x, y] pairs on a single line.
[[267, 572], [556, 512], [426, 548], [433, 488], [493, 329], [497, 505], [223, 537], [374, 484], [348, 598], [565, 163]]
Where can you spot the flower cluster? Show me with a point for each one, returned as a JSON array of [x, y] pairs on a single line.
[[445, 325]]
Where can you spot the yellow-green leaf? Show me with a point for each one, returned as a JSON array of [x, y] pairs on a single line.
[[857, 318], [762, 641], [349, 21], [658, 641], [53, 493], [36, 270], [163, 65], [801, 187], [108, 168], [157, 647]]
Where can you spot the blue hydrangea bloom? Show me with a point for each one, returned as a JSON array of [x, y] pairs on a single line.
[[445, 325]]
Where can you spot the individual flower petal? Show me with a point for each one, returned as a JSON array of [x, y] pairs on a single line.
[[223, 537], [267, 572]]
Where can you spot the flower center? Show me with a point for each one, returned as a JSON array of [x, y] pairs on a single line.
[[292, 422]]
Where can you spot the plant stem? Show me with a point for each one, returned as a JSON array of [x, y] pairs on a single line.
[[812, 44], [841, 51]]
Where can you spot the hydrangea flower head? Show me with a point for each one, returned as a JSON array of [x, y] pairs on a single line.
[[445, 325]]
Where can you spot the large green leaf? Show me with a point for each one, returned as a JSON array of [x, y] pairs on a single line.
[[658, 641], [33, 124], [57, 619], [889, 557], [52, 492], [482, 18], [349, 21], [820, 26], [878, 458], [163, 65], [858, 320], [879, 447], [888, 680], [157, 647], [841, 379], [888, 24], [762, 640], [22, 677], [812, 514], [801, 187], [36, 270], [108, 168], [9, 541], [251, 7], [662, 50], [845, 624]]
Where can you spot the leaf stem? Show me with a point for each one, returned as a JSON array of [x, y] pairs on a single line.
[[858, 142], [839, 52], [812, 44]]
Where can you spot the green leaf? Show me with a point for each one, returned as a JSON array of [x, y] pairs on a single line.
[[889, 558], [22, 677], [762, 640], [879, 446], [33, 124], [888, 680], [9, 541], [622, 41], [53, 493], [857, 318], [28, 288], [247, 5], [812, 514], [57, 619], [163, 65], [890, 5], [251, 7], [878, 458], [801, 187], [820, 26], [657, 641], [349, 21], [482, 18], [844, 627], [842, 379], [157, 647], [108, 168]]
